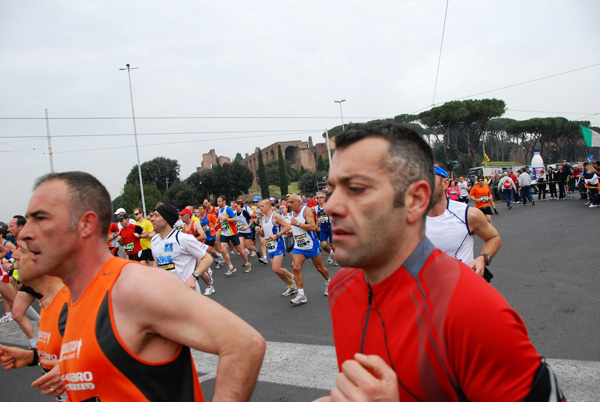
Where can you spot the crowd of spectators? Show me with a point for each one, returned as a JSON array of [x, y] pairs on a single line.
[[555, 183]]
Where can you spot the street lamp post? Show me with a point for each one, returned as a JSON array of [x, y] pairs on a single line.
[[137, 149], [341, 114]]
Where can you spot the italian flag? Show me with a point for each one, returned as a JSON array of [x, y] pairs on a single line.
[[592, 138]]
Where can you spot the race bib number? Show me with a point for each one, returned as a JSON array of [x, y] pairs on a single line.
[[206, 228], [225, 229], [302, 241], [271, 244], [129, 247], [484, 199], [323, 219]]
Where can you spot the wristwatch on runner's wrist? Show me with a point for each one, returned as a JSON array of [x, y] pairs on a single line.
[[195, 275], [487, 258]]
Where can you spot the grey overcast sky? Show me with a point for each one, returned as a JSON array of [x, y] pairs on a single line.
[[232, 76]]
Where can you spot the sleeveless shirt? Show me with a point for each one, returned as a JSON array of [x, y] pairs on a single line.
[[450, 232], [96, 365]]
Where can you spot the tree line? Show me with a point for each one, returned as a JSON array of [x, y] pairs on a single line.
[[458, 131], [462, 130], [163, 184]]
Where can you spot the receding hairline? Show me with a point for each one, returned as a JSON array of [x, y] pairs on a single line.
[[295, 196]]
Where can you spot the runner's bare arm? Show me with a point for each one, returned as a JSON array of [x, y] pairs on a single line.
[[201, 235], [310, 220], [285, 226], [183, 320], [481, 228]]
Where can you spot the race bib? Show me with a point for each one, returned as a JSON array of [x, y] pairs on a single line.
[[484, 199], [206, 228], [323, 219], [271, 244], [302, 241], [129, 247]]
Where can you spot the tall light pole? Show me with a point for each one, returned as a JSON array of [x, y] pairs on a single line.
[[137, 149], [341, 114]]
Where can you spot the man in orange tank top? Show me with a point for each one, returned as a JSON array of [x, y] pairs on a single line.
[[53, 319], [122, 342]]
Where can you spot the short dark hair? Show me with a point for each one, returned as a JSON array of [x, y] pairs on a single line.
[[86, 193], [411, 158], [21, 220]]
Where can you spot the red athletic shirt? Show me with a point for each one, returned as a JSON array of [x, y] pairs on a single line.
[[96, 364], [131, 244], [191, 230], [53, 319], [444, 327]]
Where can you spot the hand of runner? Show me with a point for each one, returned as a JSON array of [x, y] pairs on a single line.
[[478, 265], [356, 383], [12, 358], [51, 382], [191, 282]]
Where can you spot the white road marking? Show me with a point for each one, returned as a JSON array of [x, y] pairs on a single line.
[[314, 366]]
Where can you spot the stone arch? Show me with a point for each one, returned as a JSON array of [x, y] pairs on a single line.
[[292, 154]]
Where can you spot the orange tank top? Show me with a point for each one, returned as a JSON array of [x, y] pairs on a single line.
[[96, 365], [53, 319], [191, 230]]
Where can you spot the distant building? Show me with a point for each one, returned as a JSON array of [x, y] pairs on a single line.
[[211, 159], [299, 153]]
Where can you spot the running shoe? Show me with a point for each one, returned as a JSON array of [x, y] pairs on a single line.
[[326, 292], [232, 252], [299, 299], [247, 267], [290, 291], [509, 207], [330, 259], [7, 317], [253, 253], [263, 260], [230, 271], [209, 291]]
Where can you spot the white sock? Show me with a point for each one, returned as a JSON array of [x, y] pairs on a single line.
[[301, 292], [327, 282], [33, 343]]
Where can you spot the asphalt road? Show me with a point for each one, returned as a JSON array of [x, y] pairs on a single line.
[[546, 269]]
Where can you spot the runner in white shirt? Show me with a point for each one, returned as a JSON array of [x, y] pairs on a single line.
[[274, 228], [464, 189], [306, 246], [289, 238], [451, 227], [178, 252]]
